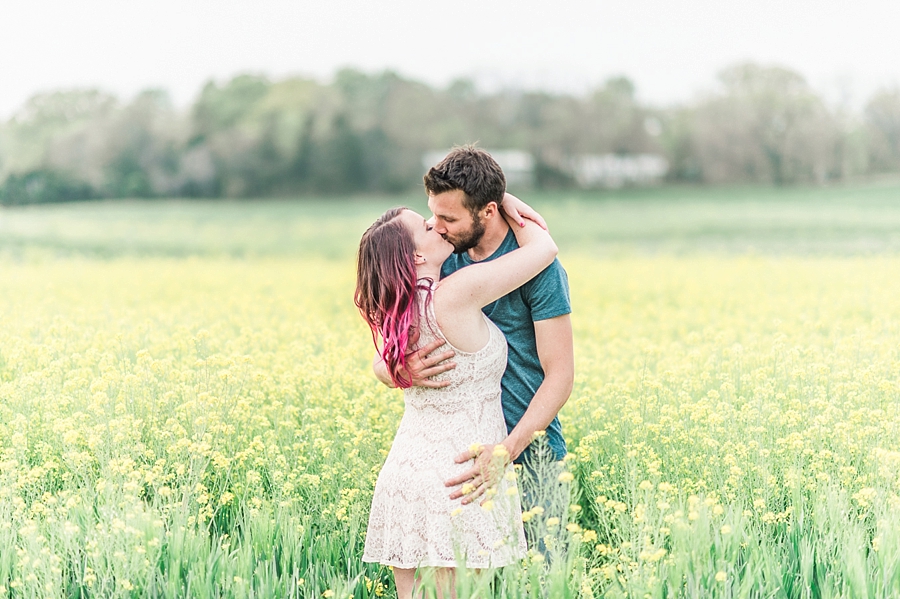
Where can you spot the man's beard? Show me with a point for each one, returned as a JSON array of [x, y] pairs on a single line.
[[469, 239]]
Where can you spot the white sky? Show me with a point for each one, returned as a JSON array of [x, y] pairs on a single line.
[[672, 49]]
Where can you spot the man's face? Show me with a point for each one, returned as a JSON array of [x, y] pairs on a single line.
[[453, 220]]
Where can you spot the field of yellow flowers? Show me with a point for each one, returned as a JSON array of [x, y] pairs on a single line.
[[207, 426]]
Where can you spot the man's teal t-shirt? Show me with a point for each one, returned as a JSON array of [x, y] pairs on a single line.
[[545, 296]]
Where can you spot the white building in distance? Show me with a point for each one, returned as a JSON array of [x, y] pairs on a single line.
[[588, 170], [614, 170]]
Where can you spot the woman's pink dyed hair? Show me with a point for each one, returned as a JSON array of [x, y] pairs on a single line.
[[387, 290]]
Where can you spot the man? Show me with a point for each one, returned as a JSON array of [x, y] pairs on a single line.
[[465, 193]]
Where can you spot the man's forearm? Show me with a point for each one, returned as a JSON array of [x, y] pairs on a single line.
[[555, 351], [551, 396]]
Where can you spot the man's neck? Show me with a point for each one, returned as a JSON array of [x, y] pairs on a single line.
[[490, 241]]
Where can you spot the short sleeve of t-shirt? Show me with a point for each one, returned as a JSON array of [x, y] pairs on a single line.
[[548, 293]]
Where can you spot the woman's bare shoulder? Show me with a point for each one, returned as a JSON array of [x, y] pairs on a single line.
[[461, 322]]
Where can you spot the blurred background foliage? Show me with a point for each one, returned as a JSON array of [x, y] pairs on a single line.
[[256, 137]]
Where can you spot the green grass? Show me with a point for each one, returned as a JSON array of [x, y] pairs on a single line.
[[839, 220]]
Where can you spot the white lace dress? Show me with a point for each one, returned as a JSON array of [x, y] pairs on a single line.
[[413, 522]]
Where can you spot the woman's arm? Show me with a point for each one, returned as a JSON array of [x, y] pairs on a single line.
[[519, 211], [485, 282]]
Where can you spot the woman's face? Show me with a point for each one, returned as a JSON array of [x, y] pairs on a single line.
[[429, 243]]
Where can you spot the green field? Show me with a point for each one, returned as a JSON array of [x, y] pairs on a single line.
[[839, 220], [186, 407]]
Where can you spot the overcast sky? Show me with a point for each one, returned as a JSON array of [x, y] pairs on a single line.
[[671, 49]]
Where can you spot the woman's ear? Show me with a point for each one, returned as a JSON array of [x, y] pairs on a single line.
[[418, 259]]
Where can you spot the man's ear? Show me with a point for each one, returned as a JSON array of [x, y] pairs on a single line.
[[491, 210]]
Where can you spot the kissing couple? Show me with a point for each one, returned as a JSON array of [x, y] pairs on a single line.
[[470, 313]]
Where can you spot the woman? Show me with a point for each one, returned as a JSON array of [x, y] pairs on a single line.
[[413, 522]]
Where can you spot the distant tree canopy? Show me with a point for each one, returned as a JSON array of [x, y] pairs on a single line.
[[252, 136]]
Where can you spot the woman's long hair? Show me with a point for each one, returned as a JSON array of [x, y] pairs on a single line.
[[386, 290]]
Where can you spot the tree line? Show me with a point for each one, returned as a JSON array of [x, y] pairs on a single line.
[[252, 136]]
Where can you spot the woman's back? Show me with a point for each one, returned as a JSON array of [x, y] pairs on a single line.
[[476, 378], [411, 501]]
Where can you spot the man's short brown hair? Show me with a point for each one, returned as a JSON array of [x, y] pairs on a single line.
[[473, 171]]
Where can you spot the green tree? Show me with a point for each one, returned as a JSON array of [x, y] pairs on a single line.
[[765, 124], [142, 148], [615, 120], [41, 186], [882, 116], [56, 133]]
